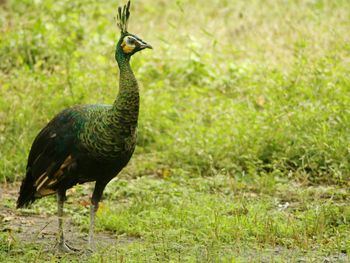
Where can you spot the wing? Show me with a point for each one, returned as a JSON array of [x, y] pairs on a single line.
[[51, 156]]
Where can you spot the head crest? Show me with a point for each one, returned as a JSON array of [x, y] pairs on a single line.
[[123, 17]]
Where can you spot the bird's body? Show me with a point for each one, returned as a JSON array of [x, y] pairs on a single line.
[[79, 145], [84, 143], [87, 142]]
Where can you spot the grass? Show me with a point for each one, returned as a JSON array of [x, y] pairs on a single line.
[[211, 219], [243, 149]]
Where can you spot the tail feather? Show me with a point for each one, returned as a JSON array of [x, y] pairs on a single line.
[[27, 191]]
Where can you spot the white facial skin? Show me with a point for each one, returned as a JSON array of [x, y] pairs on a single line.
[[129, 44], [132, 44]]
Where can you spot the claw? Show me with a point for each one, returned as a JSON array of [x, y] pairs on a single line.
[[92, 247], [64, 247]]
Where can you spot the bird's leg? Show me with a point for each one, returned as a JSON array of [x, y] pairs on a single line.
[[60, 202], [61, 197], [95, 199], [93, 209]]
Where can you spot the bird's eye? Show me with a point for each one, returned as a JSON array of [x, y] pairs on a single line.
[[131, 41]]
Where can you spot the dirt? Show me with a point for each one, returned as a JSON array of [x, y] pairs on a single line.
[[41, 229], [28, 227]]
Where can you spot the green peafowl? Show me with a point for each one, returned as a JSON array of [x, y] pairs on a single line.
[[87, 143]]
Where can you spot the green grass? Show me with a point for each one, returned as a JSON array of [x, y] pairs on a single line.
[[244, 109], [211, 219]]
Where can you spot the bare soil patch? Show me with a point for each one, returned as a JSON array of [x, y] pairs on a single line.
[[29, 227]]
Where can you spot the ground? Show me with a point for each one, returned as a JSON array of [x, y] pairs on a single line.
[[243, 147], [218, 219]]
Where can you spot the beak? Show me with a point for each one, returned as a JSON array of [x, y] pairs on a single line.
[[145, 45]]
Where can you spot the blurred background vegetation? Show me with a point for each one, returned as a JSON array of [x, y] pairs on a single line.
[[244, 87], [245, 114]]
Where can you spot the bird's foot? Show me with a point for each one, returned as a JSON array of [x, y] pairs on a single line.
[[91, 246], [64, 247]]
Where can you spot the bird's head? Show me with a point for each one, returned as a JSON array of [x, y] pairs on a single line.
[[128, 44]]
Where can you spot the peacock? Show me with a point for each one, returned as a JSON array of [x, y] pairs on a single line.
[[87, 143]]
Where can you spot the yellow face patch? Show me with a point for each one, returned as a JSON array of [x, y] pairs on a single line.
[[127, 48]]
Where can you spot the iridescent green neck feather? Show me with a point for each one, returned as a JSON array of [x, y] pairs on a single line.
[[126, 105], [111, 130]]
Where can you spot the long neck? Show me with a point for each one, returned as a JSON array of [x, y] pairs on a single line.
[[126, 106]]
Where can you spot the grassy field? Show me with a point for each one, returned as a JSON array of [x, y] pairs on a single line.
[[244, 131]]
